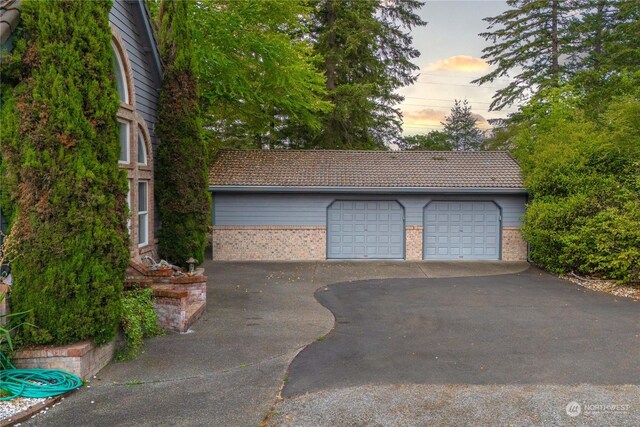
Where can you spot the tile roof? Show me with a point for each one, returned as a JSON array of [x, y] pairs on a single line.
[[366, 169], [9, 18]]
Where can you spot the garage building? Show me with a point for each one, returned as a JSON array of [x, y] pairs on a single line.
[[315, 205]]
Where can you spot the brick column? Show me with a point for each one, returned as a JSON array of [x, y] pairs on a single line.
[[413, 242], [514, 248]]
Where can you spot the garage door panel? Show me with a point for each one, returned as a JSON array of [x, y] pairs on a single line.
[[461, 230], [372, 229]]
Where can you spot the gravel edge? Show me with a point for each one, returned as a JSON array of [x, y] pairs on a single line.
[[31, 411]]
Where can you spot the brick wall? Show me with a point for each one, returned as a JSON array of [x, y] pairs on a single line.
[[269, 243], [413, 239], [309, 243], [514, 248], [84, 358]]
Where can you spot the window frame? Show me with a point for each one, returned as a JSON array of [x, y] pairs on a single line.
[[142, 143], [121, 74], [143, 214], [127, 125]]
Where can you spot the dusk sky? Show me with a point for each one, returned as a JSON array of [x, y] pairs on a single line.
[[450, 58]]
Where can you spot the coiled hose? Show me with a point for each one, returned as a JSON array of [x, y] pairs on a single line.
[[35, 383]]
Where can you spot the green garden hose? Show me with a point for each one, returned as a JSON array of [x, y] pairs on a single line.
[[35, 383]]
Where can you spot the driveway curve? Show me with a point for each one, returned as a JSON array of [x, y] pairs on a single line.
[[523, 328]]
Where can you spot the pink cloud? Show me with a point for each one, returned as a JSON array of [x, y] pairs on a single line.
[[462, 63], [427, 116]]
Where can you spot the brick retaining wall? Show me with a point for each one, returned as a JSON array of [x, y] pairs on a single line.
[[84, 358]]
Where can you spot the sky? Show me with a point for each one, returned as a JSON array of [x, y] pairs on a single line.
[[450, 58]]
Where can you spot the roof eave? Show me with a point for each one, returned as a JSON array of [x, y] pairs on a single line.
[[379, 190], [151, 39]]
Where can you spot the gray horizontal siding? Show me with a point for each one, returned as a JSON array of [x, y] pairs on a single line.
[[311, 209]]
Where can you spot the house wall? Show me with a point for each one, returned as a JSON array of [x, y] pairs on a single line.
[[268, 226], [311, 209], [127, 19]]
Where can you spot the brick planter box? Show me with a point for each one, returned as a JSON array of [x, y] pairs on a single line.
[[84, 358], [178, 300]]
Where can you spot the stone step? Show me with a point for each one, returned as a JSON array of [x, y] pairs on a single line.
[[194, 311]]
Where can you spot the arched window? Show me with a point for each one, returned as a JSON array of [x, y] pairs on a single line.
[[136, 154], [121, 76]]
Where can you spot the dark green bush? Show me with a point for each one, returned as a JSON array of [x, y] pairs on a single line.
[[582, 174], [69, 226], [181, 179]]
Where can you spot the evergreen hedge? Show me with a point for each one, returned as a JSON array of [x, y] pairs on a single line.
[[181, 167], [69, 225]]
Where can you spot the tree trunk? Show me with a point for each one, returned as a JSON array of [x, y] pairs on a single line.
[[597, 39], [330, 61], [555, 54]]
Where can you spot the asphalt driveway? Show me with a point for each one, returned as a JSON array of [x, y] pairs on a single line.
[[513, 349], [230, 369], [525, 328]]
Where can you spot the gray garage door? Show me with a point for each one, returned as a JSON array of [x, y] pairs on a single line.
[[365, 230], [461, 230]]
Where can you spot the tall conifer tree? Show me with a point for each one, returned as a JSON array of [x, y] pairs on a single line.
[[69, 234], [528, 40], [460, 128], [367, 51], [181, 168]]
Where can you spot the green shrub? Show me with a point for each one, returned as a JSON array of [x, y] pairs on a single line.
[[69, 227], [138, 321], [582, 174], [607, 244], [181, 186]]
